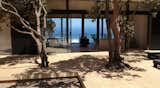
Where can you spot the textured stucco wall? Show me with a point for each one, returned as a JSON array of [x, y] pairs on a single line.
[[5, 35]]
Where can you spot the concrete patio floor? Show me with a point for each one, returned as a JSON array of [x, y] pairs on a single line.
[[89, 65]]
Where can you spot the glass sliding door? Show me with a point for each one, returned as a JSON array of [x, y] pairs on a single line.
[[75, 30]]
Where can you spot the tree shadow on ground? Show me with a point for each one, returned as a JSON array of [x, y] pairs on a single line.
[[135, 56], [83, 65], [13, 60], [86, 64], [47, 83], [135, 53]]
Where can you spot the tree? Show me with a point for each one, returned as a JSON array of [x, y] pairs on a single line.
[[96, 12], [116, 25], [37, 32], [115, 60], [153, 6], [113, 25]]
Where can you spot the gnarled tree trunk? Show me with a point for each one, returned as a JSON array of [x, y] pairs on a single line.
[[35, 33], [115, 60]]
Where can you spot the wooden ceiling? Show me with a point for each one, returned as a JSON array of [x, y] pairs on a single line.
[[86, 5]]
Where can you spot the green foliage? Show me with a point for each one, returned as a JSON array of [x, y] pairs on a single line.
[[127, 26], [97, 8], [50, 25], [154, 6]]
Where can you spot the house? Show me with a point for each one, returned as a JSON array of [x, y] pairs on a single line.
[[146, 26]]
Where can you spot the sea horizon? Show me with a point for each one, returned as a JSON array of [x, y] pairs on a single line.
[[75, 29]]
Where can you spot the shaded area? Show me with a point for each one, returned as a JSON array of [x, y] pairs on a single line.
[[83, 65], [135, 56], [44, 83], [136, 53], [121, 75], [22, 43], [155, 33], [87, 64], [13, 60], [6, 51]]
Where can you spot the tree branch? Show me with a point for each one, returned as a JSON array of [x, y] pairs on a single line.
[[8, 4], [22, 20], [23, 32]]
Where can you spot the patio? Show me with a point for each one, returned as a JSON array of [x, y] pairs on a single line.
[[90, 67]]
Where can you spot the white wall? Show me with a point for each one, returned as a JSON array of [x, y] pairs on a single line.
[[5, 36]]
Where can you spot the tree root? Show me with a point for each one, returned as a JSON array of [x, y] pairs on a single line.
[[36, 61], [117, 65]]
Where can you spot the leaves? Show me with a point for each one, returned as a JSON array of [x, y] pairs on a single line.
[[127, 26], [154, 6], [50, 25], [96, 10]]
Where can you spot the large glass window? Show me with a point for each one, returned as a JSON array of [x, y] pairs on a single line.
[[75, 28], [90, 29]]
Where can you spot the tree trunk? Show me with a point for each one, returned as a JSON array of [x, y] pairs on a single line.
[[35, 33], [109, 35], [109, 39], [114, 26], [41, 42], [41, 52], [114, 52], [43, 55], [127, 42], [115, 61]]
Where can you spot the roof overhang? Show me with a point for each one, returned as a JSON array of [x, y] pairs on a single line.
[[75, 8]]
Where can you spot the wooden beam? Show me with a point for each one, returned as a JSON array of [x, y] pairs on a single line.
[[86, 12], [82, 32], [97, 34], [67, 21], [62, 27], [149, 31], [67, 4], [67, 12], [102, 23]]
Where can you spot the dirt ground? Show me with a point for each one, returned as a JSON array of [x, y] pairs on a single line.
[[89, 65]]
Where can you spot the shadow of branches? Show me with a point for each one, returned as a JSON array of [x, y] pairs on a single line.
[[83, 65], [135, 56], [13, 60], [86, 64], [47, 83], [135, 53]]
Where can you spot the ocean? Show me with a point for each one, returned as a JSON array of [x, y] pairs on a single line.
[[75, 29]]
